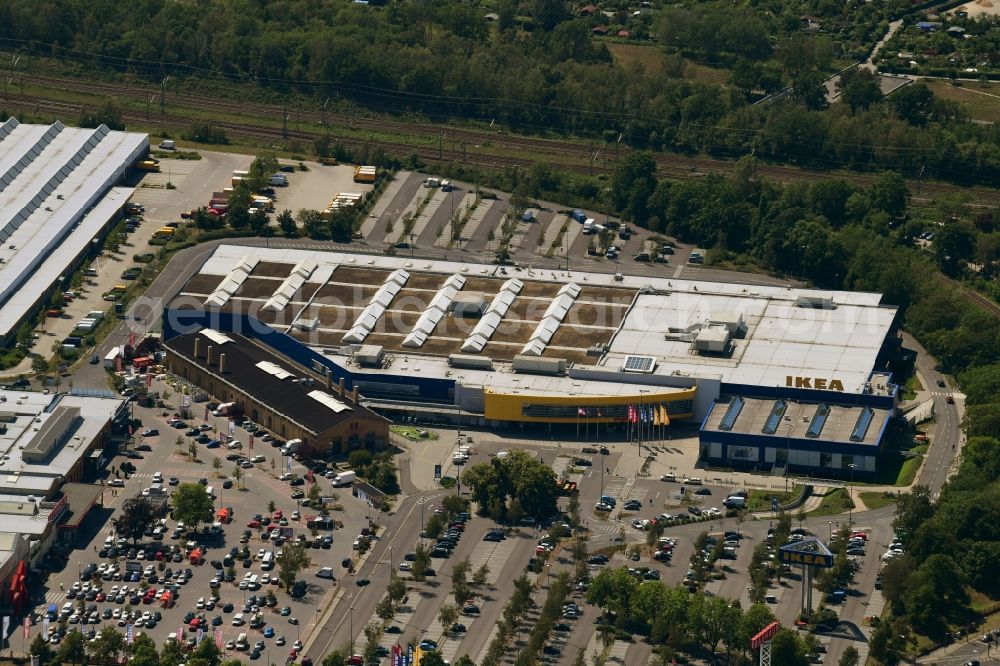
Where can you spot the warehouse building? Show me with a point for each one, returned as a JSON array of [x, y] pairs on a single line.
[[58, 197], [289, 401], [525, 349]]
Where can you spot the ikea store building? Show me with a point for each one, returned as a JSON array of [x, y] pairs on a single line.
[[771, 377]]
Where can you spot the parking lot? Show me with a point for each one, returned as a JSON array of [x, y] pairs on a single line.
[[211, 606]]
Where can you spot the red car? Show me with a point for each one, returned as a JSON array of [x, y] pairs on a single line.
[[254, 522], [277, 515]]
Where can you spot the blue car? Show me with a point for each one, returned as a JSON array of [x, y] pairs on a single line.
[[213, 444], [428, 644], [269, 632]]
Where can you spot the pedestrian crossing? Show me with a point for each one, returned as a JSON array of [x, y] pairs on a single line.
[[54, 597]]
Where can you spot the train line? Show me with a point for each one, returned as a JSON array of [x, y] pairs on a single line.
[[480, 147]]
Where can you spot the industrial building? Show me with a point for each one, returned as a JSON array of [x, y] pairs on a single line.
[[520, 348], [274, 393], [57, 199], [49, 442]]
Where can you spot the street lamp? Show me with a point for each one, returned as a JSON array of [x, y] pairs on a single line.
[[352, 627], [850, 496]]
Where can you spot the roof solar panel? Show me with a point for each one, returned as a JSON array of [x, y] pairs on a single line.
[[642, 364]]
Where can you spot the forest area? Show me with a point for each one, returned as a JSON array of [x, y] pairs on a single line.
[[543, 67]]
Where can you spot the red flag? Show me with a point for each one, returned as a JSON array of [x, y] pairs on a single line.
[[251, 441], [27, 627], [633, 415]]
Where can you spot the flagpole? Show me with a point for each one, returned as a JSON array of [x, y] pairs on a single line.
[[577, 424]]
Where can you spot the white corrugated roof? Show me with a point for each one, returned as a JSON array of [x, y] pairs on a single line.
[[328, 400]]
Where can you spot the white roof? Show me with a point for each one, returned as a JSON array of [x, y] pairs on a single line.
[[52, 181], [273, 369], [779, 339], [329, 401], [215, 336], [32, 409]]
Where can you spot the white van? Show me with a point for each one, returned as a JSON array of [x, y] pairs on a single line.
[[211, 491], [241, 640], [158, 477], [168, 144], [238, 621], [278, 179]]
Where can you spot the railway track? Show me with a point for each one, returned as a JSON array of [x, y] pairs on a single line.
[[480, 147], [970, 294]]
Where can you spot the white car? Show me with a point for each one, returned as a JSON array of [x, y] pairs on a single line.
[[405, 566], [285, 477], [258, 459], [233, 445], [296, 515]]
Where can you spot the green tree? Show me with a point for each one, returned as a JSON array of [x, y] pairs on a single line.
[[913, 103], [217, 464], [192, 504], [40, 648], [432, 658], [788, 649], [73, 648], [481, 575], [890, 193], [171, 654], [632, 183], [39, 365], [913, 510], [208, 653], [384, 609], [286, 222], [421, 562], [448, 615], [335, 658], [107, 113], [360, 460], [859, 88], [849, 657], [809, 88], [396, 588], [135, 517], [313, 224], [954, 245], [291, 561], [548, 13], [936, 596]]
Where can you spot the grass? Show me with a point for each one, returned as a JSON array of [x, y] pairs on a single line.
[[412, 433], [835, 502], [651, 58], [910, 389], [979, 107], [877, 500], [898, 470], [694, 71], [760, 500]]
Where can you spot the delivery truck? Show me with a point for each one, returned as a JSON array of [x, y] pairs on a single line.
[[344, 478]]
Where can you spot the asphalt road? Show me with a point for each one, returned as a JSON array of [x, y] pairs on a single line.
[[946, 438]]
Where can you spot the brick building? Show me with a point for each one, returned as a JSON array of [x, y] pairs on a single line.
[[287, 400]]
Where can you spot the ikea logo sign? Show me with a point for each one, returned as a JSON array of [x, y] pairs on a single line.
[[811, 559], [814, 383]]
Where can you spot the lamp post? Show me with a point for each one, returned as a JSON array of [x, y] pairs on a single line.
[[352, 628], [850, 515]]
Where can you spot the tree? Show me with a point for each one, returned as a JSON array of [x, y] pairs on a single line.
[[107, 113], [360, 460], [287, 224], [890, 193], [448, 615], [460, 572], [313, 224], [913, 510], [396, 588], [237, 475], [192, 504], [432, 658], [384, 609], [849, 657], [171, 654], [39, 365], [142, 651], [809, 88], [335, 658], [859, 88], [788, 649], [913, 103], [548, 13], [421, 562], [954, 245], [40, 648], [193, 450], [936, 596], [135, 517], [633, 183], [217, 464], [73, 648], [207, 653], [481, 576], [292, 560]]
